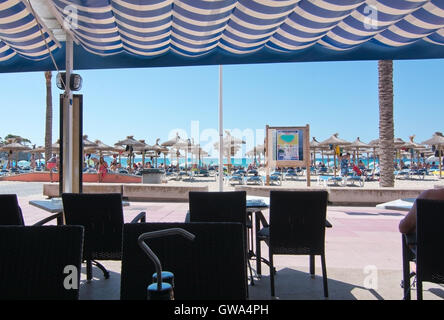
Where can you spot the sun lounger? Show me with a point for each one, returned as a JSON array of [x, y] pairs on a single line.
[[254, 180], [353, 179], [236, 179], [275, 179], [337, 181]]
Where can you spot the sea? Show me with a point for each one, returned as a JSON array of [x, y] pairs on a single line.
[[208, 161]]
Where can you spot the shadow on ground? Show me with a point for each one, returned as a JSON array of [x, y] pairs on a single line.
[[291, 284]]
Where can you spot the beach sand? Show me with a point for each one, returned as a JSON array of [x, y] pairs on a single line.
[[429, 182]]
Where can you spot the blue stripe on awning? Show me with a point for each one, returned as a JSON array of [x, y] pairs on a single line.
[[223, 31]]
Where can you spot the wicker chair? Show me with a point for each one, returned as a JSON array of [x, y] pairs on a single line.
[[297, 227], [33, 261], [11, 213], [429, 243], [212, 267], [221, 207], [102, 217]]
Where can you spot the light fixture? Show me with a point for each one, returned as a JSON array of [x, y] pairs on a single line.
[[75, 82]]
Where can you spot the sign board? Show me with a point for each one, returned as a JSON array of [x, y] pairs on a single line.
[[288, 147]]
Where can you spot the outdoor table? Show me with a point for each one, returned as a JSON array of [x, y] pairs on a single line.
[[56, 206], [399, 204], [255, 205], [51, 206]]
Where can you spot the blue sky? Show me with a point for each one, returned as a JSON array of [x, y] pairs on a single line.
[[154, 103]]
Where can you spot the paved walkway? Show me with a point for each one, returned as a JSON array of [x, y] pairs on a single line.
[[363, 255]]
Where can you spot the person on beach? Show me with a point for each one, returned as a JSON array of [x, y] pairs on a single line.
[[51, 165], [344, 164], [103, 169], [408, 224]]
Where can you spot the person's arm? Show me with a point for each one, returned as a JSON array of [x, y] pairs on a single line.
[[408, 224]]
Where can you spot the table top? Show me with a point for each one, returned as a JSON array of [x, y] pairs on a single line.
[[48, 205], [55, 205], [399, 204], [254, 202]]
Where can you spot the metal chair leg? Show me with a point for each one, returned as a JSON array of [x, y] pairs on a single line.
[[101, 267], [324, 275], [88, 270], [272, 274], [418, 289], [312, 266]]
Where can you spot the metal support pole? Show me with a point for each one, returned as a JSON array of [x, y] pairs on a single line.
[[221, 135], [68, 121]]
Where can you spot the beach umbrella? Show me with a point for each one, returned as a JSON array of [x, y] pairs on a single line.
[[14, 147], [119, 150], [356, 145], [256, 152], [230, 144], [179, 144], [199, 152], [36, 152], [56, 146], [87, 143], [100, 147], [129, 144], [437, 140], [143, 148], [374, 144], [160, 149], [416, 147], [334, 142], [314, 145]]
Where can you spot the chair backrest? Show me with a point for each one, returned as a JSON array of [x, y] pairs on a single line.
[[297, 221], [430, 240], [218, 206], [102, 216], [211, 267], [10, 212], [33, 261]]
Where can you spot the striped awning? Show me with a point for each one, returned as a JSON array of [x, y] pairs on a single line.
[[131, 33]]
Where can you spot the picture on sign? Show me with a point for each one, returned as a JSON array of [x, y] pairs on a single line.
[[289, 145]]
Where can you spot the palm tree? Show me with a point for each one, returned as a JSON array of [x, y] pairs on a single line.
[[48, 126], [386, 127], [14, 138]]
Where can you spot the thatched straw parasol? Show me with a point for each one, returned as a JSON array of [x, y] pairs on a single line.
[[14, 147], [437, 140], [334, 141]]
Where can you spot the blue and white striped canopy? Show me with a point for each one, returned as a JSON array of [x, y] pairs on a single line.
[[137, 33]]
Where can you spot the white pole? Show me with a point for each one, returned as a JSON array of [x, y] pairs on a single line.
[[68, 120], [221, 135]]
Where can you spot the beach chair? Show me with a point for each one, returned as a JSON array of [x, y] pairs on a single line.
[[290, 175], [254, 180], [297, 227], [101, 214], [236, 179], [40, 262], [353, 179], [275, 178], [221, 207], [11, 213], [211, 267], [429, 243], [335, 181]]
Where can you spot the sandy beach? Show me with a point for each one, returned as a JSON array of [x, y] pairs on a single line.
[[429, 182], [213, 185]]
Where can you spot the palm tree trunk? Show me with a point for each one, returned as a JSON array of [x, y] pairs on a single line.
[[386, 127], [48, 126]]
